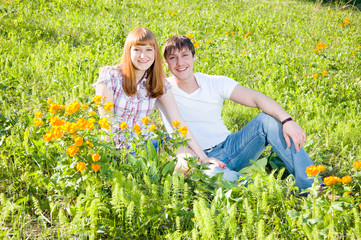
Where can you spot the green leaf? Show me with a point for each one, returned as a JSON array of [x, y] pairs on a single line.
[[168, 167], [256, 166]]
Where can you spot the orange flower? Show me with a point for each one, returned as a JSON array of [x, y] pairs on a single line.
[[90, 144], [152, 127], [57, 132], [346, 179], [80, 166], [91, 113], [137, 129], [196, 44], [146, 120], [108, 106], [359, 47], [226, 33], [183, 130], [103, 122], [48, 137], [56, 121], [72, 108], [244, 52], [97, 99], [175, 123], [38, 123], [324, 73], [232, 33], [78, 141], [72, 150], [190, 35], [315, 76], [96, 167], [39, 114], [49, 101], [123, 125], [332, 180], [321, 168], [357, 165], [53, 108], [95, 157], [209, 42], [82, 123], [84, 107], [312, 171], [353, 52], [174, 13]]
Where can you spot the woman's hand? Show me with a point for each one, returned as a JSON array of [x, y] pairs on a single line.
[[213, 160]]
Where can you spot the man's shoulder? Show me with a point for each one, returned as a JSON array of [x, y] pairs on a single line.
[[211, 79]]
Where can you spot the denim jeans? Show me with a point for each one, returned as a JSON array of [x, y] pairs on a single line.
[[248, 144]]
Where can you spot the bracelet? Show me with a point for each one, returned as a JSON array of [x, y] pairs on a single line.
[[286, 120]]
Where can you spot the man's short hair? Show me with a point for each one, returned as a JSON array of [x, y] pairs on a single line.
[[177, 42]]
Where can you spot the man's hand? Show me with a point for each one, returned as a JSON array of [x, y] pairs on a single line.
[[213, 161], [292, 130]]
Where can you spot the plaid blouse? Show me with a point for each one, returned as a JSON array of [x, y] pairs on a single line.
[[129, 109]]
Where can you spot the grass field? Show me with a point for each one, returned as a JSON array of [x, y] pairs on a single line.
[[304, 54]]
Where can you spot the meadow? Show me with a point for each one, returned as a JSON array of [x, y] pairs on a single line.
[[304, 54]]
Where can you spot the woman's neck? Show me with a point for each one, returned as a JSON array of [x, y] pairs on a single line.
[[139, 74]]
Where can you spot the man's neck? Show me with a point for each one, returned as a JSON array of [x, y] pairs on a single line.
[[187, 85]]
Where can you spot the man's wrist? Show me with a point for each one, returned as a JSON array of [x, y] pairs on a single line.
[[287, 120]]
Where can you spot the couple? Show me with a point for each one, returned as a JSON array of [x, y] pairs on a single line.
[[196, 99]]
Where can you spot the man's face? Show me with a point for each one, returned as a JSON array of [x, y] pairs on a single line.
[[180, 63]]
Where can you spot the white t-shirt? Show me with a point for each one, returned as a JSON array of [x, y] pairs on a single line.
[[202, 108]]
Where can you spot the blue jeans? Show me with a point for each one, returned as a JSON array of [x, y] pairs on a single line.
[[248, 144]]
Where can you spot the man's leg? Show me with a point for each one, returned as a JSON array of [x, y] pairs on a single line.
[[248, 144]]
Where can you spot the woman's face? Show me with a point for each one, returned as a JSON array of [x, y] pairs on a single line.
[[142, 56]]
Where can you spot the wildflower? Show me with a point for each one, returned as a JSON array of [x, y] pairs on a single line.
[[315, 76], [95, 157], [137, 129], [152, 127], [331, 180], [53, 108], [90, 144], [247, 34], [72, 150], [321, 168], [324, 73], [226, 33], [96, 167], [164, 138], [39, 114], [196, 44], [341, 24], [91, 113], [232, 33], [346, 179], [357, 165], [56, 121], [319, 47], [123, 125], [72, 108], [183, 130], [49, 101], [38, 123], [209, 42], [314, 50], [192, 40], [103, 122], [353, 52], [168, 12], [359, 47], [331, 11], [84, 107], [82, 123], [244, 52], [80, 166], [174, 13], [90, 126], [97, 99], [78, 141], [108, 106], [189, 35], [146, 120], [48, 137], [57, 133], [312, 171], [175, 123]]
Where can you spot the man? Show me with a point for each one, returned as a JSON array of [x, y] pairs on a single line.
[[200, 98]]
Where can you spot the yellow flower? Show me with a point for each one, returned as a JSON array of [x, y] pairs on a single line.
[[315, 76], [108, 106], [226, 33], [312, 171], [97, 99], [123, 125], [91, 113], [324, 73], [103, 122], [353, 52], [72, 108], [331, 180], [244, 52], [49, 101], [196, 44], [175, 123], [247, 34], [315, 50], [192, 40], [78, 141], [80, 166], [209, 42], [38, 123], [137, 129], [48, 137], [56, 121], [183, 130], [190, 35], [357, 165], [90, 144], [146, 120], [331, 11], [359, 47], [53, 108], [82, 123], [96, 167], [39, 114], [346, 179], [57, 132], [72, 150], [174, 13], [84, 107], [152, 127], [321, 168], [95, 157]]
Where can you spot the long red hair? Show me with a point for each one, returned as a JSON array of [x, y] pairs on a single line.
[[155, 80]]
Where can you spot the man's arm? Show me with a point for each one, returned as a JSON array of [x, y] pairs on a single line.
[[255, 99]]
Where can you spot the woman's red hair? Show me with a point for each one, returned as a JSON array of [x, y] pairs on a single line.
[[155, 80]]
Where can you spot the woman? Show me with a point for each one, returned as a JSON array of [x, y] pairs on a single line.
[[137, 83]]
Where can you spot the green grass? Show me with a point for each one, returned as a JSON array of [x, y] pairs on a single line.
[[54, 49]]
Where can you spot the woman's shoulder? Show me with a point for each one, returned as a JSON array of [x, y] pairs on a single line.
[[116, 70]]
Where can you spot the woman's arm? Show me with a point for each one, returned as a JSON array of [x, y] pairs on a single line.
[[170, 107]]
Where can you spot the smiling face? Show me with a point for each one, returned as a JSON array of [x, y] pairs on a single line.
[[142, 57], [181, 63]]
